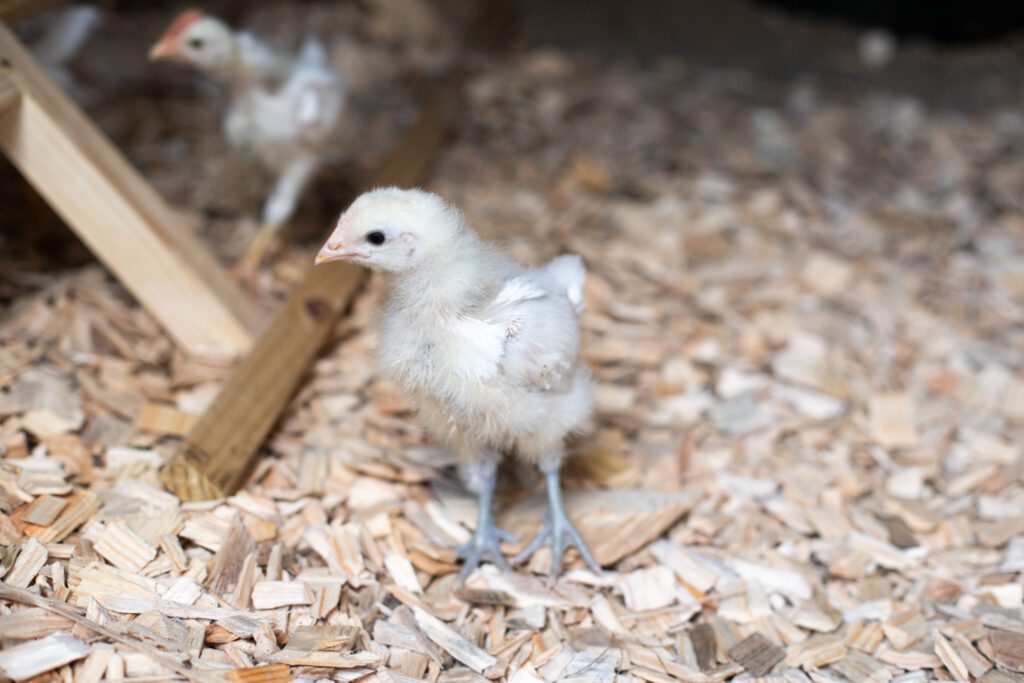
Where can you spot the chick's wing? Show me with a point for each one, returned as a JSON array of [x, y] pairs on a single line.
[[527, 336]]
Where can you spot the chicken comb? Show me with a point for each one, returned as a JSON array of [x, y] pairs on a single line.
[[181, 22]]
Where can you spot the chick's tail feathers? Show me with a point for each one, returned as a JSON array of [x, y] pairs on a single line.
[[569, 274]]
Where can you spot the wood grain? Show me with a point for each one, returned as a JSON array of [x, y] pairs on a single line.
[[118, 214], [218, 453], [14, 10], [9, 93]]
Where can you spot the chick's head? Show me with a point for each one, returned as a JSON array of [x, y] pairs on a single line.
[[393, 230], [196, 39]]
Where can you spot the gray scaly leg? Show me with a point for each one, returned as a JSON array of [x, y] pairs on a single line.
[[558, 531], [487, 537]]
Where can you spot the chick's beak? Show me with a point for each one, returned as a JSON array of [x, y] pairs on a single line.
[[333, 250], [164, 48]]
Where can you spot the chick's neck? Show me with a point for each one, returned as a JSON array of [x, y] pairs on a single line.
[[452, 280], [250, 63]]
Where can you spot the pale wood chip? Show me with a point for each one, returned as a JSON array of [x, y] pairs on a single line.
[[646, 589], [31, 623], [44, 510], [24, 661], [817, 651], [908, 659], [247, 578], [826, 275], [905, 628], [686, 565], [326, 659], [274, 594], [240, 625], [605, 616], [172, 548], [975, 662], [184, 591], [270, 673], [94, 666], [164, 419], [402, 572], [402, 631], [173, 609], [339, 548], [82, 505], [1008, 649], [892, 420], [124, 548], [949, 656], [451, 642], [100, 581], [334, 637], [30, 560], [860, 667], [230, 557]]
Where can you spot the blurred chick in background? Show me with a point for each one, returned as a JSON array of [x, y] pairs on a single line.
[[56, 37], [487, 350], [284, 111]]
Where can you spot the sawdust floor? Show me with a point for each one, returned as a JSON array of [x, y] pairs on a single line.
[[805, 315]]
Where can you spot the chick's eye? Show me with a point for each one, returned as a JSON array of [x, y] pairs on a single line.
[[375, 238], [196, 43]]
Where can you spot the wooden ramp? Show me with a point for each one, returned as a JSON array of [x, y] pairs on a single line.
[[118, 215]]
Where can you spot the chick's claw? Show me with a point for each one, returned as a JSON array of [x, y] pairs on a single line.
[[560, 534], [485, 545]]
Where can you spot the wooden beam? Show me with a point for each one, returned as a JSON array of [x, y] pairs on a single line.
[[219, 452], [15, 10], [9, 93], [118, 214]]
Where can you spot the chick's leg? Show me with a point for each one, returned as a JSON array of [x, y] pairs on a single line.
[[279, 207], [249, 266], [487, 537], [558, 530]]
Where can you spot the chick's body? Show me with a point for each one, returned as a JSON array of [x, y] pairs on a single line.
[[486, 349], [283, 112], [490, 354]]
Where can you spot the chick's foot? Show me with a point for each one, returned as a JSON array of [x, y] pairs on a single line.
[[487, 538], [485, 545], [558, 532]]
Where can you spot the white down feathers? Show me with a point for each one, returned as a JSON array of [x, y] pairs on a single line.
[[505, 373], [297, 116], [523, 336]]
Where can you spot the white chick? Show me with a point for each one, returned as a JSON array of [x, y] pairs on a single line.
[[487, 350], [285, 112]]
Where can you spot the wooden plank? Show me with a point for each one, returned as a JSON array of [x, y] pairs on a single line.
[[218, 453], [13, 10], [118, 214], [9, 93]]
